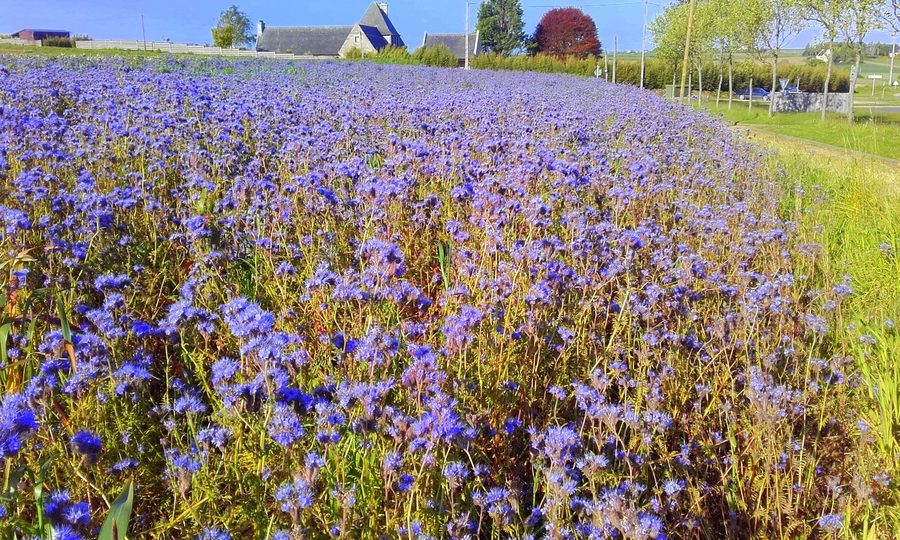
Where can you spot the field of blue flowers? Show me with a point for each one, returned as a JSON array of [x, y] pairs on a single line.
[[349, 300]]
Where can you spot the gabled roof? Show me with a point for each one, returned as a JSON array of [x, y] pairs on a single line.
[[376, 18], [314, 40], [455, 42], [374, 36]]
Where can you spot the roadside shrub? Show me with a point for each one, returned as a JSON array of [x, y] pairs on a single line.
[[392, 54], [354, 54], [436, 56], [58, 42], [541, 63]]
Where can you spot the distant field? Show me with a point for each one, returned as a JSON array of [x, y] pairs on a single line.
[[61, 51]]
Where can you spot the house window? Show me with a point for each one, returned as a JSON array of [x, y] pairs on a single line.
[[356, 38]]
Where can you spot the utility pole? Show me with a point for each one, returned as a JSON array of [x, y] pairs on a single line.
[[643, 42], [893, 55], [615, 47], [144, 32], [467, 34], [687, 50]]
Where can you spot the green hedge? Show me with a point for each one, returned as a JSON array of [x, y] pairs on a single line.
[[438, 56], [539, 62], [657, 74]]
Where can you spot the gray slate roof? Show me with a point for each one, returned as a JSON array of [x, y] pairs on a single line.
[[315, 40], [456, 43], [376, 18]]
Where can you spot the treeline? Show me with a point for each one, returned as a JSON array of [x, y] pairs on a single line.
[[845, 52], [657, 73]]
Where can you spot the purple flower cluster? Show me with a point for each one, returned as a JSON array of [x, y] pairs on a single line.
[[485, 304]]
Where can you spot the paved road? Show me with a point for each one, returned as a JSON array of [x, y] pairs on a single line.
[[879, 109]]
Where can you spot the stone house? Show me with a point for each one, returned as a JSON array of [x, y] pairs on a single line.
[[373, 32]]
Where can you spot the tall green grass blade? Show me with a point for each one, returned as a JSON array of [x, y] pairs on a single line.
[[4, 333], [38, 482], [116, 525], [12, 482], [63, 320]]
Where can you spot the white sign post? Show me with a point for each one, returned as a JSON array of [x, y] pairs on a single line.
[[873, 77]]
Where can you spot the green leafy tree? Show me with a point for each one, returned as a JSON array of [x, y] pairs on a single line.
[[500, 26], [668, 31], [829, 15], [773, 23], [233, 29], [731, 33], [861, 18]]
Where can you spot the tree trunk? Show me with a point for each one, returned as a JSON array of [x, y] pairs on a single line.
[[730, 80], [774, 85], [750, 96], [859, 47], [700, 83], [828, 76], [719, 87], [690, 87]]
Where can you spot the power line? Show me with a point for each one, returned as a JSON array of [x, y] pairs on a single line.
[[610, 4]]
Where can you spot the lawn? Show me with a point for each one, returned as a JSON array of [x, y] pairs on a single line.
[[873, 132]]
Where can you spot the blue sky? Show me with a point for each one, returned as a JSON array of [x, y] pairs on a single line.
[[189, 21]]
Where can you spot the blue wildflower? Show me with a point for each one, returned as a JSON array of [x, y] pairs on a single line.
[[213, 533], [245, 318], [86, 444], [832, 523]]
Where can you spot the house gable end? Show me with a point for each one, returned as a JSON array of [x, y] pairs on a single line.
[[365, 38], [376, 18]]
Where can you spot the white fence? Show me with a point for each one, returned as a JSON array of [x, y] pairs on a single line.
[[179, 48], [16, 41]]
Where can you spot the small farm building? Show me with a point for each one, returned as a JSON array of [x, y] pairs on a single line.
[[31, 34]]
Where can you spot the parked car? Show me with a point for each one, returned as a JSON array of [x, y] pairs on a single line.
[[792, 90], [758, 93]]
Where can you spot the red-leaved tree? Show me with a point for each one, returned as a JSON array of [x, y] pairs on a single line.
[[565, 31]]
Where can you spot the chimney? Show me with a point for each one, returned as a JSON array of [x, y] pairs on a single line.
[[260, 28], [382, 6]]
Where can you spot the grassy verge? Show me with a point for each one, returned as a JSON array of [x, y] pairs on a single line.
[[848, 205], [873, 133]]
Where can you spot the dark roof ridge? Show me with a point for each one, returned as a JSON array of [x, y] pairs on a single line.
[[378, 19]]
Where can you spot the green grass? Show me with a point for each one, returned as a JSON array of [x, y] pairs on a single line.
[[875, 133], [850, 205], [66, 51]]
